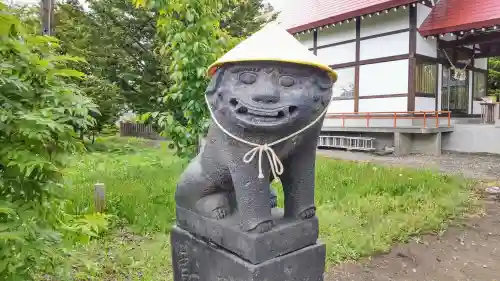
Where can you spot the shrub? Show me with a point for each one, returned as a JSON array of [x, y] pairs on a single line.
[[39, 110]]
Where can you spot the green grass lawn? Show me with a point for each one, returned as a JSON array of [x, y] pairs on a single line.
[[363, 208]]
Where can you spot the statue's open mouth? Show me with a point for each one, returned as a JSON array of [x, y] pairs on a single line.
[[267, 116]]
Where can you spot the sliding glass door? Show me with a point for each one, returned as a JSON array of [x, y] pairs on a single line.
[[454, 93]]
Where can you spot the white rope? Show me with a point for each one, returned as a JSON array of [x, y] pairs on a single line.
[[276, 166], [459, 72]]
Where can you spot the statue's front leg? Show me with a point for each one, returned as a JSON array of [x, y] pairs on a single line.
[[298, 182], [252, 196]]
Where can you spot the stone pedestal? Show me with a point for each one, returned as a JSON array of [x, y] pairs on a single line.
[[286, 236], [195, 259]]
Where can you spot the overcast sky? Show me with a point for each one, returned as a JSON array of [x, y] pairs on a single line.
[[277, 4]]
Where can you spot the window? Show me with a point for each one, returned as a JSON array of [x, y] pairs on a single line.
[[344, 87], [426, 77], [479, 90]]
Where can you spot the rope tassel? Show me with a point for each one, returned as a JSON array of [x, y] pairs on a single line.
[[274, 161]]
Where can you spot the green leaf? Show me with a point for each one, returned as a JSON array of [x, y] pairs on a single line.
[[67, 73], [65, 58], [8, 236]]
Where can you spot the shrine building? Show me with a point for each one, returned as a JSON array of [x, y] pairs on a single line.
[[412, 74]]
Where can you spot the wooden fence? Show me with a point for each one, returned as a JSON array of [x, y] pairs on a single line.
[[139, 130]]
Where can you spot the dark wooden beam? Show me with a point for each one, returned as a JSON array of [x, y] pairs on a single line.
[[315, 42], [385, 34], [412, 61], [365, 38], [425, 58], [383, 96], [356, 68], [425, 95], [369, 61], [337, 43], [373, 97]]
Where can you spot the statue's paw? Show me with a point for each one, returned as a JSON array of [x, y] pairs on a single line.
[[263, 227], [214, 206], [308, 213], [220, 212]]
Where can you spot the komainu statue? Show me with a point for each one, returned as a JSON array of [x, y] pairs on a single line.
[[267, 105]]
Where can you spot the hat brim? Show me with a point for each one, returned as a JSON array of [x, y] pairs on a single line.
[[213, 68]]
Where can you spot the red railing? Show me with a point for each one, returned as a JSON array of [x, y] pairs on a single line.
[[395, 115]]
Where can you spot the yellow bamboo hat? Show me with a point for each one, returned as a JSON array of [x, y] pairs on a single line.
[[271, 43]]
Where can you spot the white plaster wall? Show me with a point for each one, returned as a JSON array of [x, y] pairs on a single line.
[[425, 47], [383, 104], [383, 78], [481, 63], [422, 13], [341, 106], [307, 40], [338, 33], [345, 81], [385, 23], [425, 104], [338, 54], [391, 45]]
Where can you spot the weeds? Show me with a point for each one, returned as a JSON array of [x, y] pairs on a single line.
[[362, 208]]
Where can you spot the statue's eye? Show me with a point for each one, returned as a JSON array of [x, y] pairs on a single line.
[[287, 81], [324, 81], [248, 77]]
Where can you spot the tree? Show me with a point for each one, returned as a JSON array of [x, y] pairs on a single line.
[[194, 35], [39, 105], [247, 17], [119, 43], [494, 76]]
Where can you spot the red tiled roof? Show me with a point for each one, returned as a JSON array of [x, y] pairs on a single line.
[[457, 15], [300, 15]]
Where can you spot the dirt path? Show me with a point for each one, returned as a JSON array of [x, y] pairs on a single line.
[[466, 252], [471, 166]]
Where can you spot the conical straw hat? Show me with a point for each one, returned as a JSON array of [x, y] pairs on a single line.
[[271, 43]]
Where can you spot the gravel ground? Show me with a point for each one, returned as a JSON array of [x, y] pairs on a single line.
[[473, 166], [469, 252]]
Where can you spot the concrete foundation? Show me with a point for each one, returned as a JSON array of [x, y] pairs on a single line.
[[466, 135], [429, 144], [473, 138], [402, 143]]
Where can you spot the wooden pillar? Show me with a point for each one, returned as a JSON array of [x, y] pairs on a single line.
[[356, 67], [412, 60], [315, 42]]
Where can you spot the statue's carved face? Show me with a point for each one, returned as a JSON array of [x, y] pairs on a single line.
[[263, 95]]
